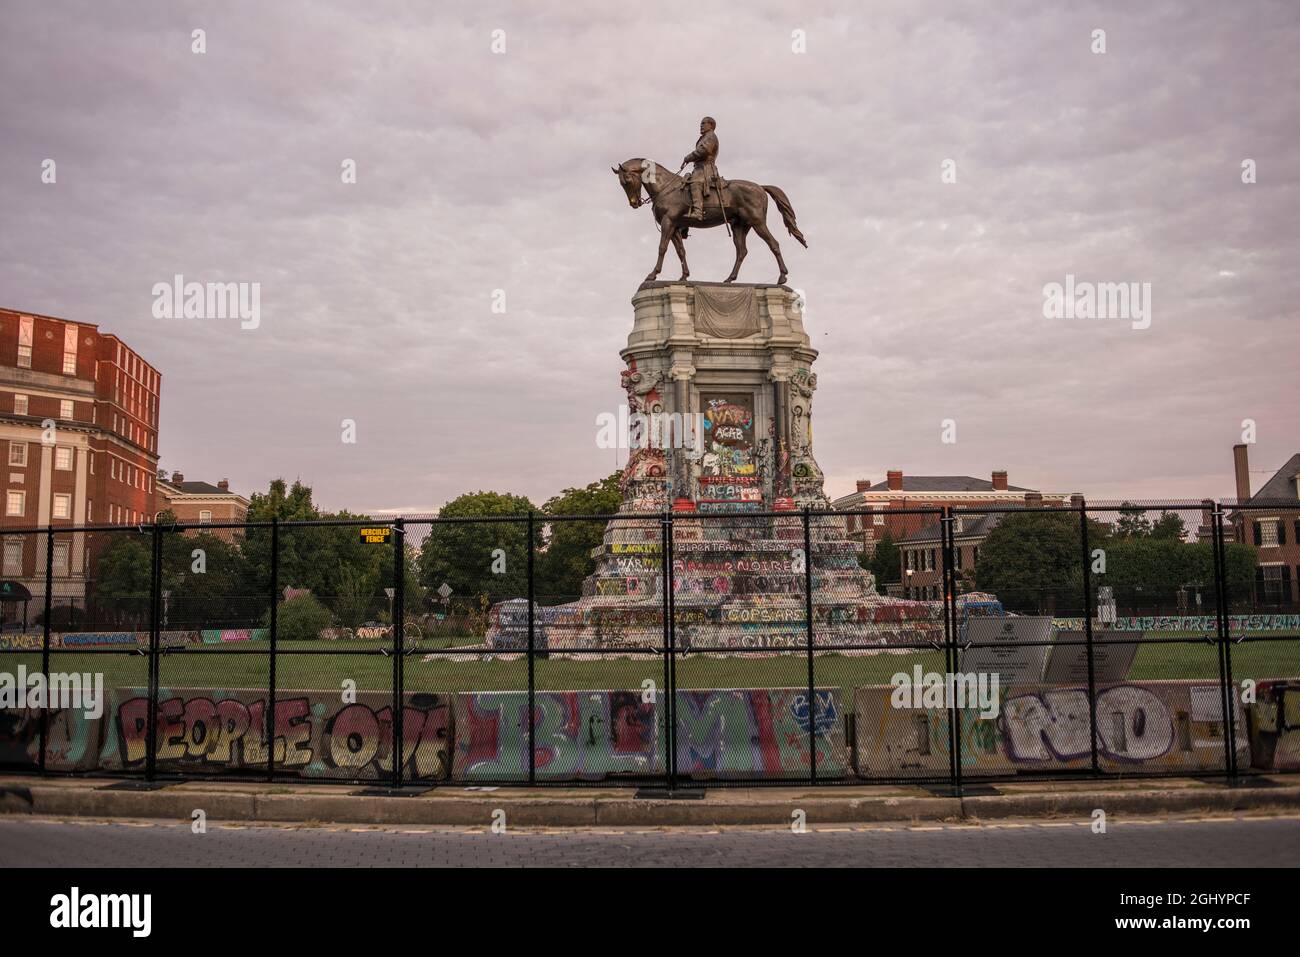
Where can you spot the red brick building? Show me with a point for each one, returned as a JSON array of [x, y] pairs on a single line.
[[900, 491], [201, 503], [79, 433], [1272, 525]]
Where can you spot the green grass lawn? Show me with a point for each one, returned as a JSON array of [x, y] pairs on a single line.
[[226, 668]]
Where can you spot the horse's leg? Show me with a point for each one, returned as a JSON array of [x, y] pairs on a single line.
[[681, 252], [760, 227], [667, 230], [738, 233]]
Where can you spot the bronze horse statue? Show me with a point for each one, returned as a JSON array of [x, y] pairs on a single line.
[[746, 209]]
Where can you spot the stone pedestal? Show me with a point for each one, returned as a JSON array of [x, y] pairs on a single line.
[[719, 388], [723, 373]]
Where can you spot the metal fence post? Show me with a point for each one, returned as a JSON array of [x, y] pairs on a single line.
[[949, 577], [155, 602], [808, 615], [269, 714], [45, 640], [1084, 545], [399, 646], [1227, 695], [532, 675], [670, 693]]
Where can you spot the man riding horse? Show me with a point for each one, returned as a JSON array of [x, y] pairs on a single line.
[[704, 156], [679, 204]]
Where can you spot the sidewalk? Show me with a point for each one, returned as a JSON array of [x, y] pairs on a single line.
[[587, 807]]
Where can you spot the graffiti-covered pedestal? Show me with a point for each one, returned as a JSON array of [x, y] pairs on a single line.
[[719, 386]]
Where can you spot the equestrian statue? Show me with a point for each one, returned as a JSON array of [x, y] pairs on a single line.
[[704, 199]]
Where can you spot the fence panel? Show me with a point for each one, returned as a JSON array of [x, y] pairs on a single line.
[[1262, 622], [1158, 654], [871, 632], [468, 667]]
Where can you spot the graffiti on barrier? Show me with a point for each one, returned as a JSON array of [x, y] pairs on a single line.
[[315, 733], [758, 733], [1167, 725], [595, 734], [1175, 724], [580, 735], [1275, 726]]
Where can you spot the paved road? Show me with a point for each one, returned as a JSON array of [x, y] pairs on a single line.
[[1185, 842]]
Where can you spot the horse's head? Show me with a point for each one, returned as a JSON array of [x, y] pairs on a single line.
[[632, 175]]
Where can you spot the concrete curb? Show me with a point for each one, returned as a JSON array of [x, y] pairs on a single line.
[[756, 806]]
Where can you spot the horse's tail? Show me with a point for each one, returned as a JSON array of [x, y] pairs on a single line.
[[787, 212]]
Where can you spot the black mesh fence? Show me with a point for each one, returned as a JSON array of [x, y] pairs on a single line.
[[682, 649]]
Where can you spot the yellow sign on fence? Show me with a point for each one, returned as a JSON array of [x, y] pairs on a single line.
[[376, 536]]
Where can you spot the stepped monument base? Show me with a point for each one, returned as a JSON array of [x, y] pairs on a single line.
[[719, 387]]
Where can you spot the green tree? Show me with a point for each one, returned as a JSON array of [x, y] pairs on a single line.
[[123, 581], [1169, 525], [1132, 522], [1147, 573], [566, 559], [328, 560], [1032, 561], [884, 562], [462, 553], [209, 583]]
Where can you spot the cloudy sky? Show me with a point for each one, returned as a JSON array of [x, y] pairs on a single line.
[[479, 170]]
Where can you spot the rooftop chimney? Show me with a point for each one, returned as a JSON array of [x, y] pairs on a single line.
[[1000, 480], [224, 485], [1076, 499], [895, 480], [177, 478], [1242, 467], [1033, 500], [864, 485]]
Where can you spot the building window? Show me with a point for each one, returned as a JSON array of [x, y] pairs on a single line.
[[63, 458], [16, 503], [69, 350], [1268, 533], [90, 512], [65, 408], [62, 505], [61, 558], [13, 557], [17, 453], [20, 404], [25, 342], [205, 516], [1276, 587]]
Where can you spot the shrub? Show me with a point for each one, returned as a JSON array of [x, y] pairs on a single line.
[[301, 618]]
